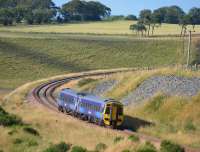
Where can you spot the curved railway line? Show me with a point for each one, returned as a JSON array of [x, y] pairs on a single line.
[[44, 95]]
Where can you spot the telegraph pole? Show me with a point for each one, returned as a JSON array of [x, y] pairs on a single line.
[[189, 48]]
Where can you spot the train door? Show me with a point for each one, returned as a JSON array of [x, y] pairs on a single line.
[[77, 103], [107, 116], [114, 112]]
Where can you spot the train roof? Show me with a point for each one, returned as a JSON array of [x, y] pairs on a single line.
[[91, 97], [88, 96], [69, 91]]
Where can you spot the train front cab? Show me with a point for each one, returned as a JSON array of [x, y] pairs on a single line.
[[113, 114]]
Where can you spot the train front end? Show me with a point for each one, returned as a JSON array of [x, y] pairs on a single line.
[[113, 114]]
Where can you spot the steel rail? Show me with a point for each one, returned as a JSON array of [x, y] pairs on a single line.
[[43, 94]]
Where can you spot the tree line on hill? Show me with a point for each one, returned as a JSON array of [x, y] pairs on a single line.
[[148, 20], [45, 11]]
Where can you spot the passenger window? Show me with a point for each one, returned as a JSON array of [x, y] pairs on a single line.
[[120, 111], [107, 110]]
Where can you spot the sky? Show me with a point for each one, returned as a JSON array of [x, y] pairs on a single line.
[[126, 7]]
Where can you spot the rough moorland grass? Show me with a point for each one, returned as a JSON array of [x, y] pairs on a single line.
[[78, 149], [147, 147], [85, 81], [73, 131], [53, 127], [167, 146], [31, 131], [130, 81], [27, 59], [100, 147], [175, 118], [115, 27], [7, 119], [60, 147]]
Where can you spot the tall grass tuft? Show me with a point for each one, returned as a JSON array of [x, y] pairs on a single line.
[[100, 147], [147, 147], [168, 146], [7, 119], [31, 131], [78, 149], [85, 81], [61, 147], [118, 139], [133, 138]]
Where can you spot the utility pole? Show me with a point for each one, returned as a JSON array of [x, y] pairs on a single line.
[[189, 48]]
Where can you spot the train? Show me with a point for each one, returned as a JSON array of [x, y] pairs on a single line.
[[102, 111]]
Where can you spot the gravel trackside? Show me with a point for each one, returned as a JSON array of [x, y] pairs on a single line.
[[104, 87], [169, 85]]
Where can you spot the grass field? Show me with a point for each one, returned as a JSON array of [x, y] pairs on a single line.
[[174, 118], [180, 122], [49, 51], [114, 27], [27, 59], [52, 127]]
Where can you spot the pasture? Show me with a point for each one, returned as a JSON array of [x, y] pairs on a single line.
[[29, 53], [179, 129], [180, 121], [109, 27], [29, 58]]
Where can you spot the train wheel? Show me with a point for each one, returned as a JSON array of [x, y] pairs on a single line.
[[60, 109], [100, 123]]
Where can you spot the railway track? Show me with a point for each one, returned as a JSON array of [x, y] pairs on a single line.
[[43, 94]]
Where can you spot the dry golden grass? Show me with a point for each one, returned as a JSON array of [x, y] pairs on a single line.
[[5, 141], [53, 127], [131, 80], [114, 27], [175, 119], [174, 113], [122, 145]]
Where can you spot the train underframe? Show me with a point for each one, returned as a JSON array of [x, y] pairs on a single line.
[[88, 118]]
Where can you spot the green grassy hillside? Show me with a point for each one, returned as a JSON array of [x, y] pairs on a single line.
[[27, 59], [173, 117], [114, 27]]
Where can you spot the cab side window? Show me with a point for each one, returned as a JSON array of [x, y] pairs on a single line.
[[107, 110], [120, 111]]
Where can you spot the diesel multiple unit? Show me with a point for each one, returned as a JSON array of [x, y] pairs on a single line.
[[107, 112]]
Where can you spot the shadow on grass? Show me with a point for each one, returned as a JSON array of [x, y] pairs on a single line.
[[39, 57], [132, 123]]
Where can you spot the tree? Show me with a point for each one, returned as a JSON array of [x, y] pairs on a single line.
[[8, 3], [156, 20], [29, 17], [95, 11], [194, 14], [19, 13], [33, 11], [173, 15], [184, 22], [139, 27], [160, 14], [42, 15], [85, 11], [74, 8], [145, 18], [6, 16], [131, 17]]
